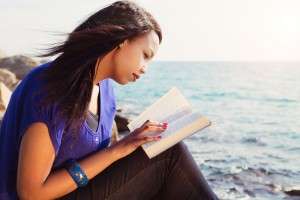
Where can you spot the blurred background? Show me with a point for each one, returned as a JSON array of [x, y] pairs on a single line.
[[236, 61]]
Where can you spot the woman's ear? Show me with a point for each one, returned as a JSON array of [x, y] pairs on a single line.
[[122, 44]]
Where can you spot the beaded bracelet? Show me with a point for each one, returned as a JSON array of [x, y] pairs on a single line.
[[76, 173]]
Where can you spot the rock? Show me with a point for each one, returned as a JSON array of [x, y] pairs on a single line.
[[293, 192], [249, 192], [2, 54], [5, 95], [121, 122], [19, 65], [8, 78]]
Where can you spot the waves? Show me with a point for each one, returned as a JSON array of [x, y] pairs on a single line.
[[252, 149]]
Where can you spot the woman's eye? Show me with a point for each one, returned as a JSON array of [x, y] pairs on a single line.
[[145, 56]]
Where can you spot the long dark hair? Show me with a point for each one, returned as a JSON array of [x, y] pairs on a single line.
[[69, 80]]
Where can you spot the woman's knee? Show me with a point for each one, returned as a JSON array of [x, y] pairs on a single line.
[[180, 148], [174, 154]]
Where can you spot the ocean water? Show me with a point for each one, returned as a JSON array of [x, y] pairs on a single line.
[[252, 148]]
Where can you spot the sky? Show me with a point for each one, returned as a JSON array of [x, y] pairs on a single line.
[[193, 30]]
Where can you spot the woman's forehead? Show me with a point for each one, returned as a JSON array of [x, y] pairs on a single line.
[[150, 41], [150, 38]]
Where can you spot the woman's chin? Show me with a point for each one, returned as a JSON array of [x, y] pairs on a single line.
[[123, 81]]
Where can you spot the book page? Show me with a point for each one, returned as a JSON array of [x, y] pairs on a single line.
[[179, 130], [169, 107], [173, 108], [177, 114], [178, 124]]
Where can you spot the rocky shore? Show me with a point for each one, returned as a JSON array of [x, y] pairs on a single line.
[[14, 68]]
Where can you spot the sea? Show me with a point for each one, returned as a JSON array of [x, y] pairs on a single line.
[[252, 148]]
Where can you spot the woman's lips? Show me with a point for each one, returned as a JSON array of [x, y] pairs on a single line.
[[135, 76]]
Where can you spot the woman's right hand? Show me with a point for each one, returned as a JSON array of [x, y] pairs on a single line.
[[138, 137]]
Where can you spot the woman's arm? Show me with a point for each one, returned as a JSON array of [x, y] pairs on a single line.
[[35, 180]]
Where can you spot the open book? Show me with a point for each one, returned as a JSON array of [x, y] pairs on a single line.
[[182, 121]]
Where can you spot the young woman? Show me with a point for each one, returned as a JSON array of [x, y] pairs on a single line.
[[55, 134]]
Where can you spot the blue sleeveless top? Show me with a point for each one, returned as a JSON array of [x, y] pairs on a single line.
[[23, 111]]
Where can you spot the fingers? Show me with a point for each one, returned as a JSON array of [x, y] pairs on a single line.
[[145, 139], [154, 123], [147, 121], [148, 127], [151, 126]]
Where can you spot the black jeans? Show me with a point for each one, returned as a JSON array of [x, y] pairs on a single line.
[[173, 174]]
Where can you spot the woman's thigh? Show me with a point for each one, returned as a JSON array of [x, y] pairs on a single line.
[[173, 173], [134, 176]]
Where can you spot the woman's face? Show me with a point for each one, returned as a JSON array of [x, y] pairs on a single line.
[[131, 60]]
